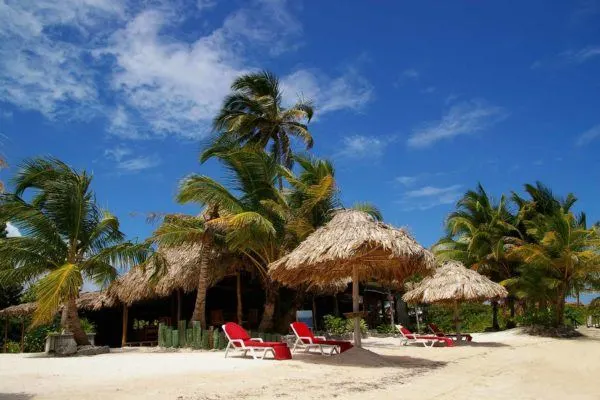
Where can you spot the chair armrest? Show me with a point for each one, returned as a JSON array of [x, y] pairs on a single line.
[[238, 341], [302, 338], [321, 337], [257, 339]]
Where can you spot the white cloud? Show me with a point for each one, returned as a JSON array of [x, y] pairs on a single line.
[[205, 4], [12, 231], [582, 55], [411, 73], [406, 180], [67, 58], [588, 136], [40, 69], [464, 118], [429, 90], [124, 162], [428, 197], [362, 147], [138, 164], [347, 91]]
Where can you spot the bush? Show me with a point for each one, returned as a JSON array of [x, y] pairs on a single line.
[[338, 326], [35, 339], [474, 317], [13, 347], [537, 317], [386, 329]]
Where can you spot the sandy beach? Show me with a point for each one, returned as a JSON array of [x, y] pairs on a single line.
[[504, 365]]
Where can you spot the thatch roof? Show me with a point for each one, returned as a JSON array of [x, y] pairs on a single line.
[[353, 238], [453, 282], [182, 270], [91, 301]]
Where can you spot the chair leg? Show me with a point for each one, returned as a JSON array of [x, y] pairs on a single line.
[[253, 353], [321, 349], [227, 349]]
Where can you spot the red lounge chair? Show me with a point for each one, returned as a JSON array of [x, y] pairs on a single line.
[[305, 339], [239, 340], [425, 340], [439, 333]]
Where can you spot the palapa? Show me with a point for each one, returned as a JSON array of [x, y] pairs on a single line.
[[353, 245], [90, 301], [453, 283], [182, 272]]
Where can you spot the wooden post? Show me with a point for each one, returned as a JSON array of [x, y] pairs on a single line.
[[238, 290], [22, 334], [314, 313], [457, 322], [336, 306], [6, 335], [356, 306], [178, 305], [125, 321]]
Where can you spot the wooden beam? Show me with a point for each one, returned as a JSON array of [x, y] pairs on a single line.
[[6, 334], [22, 334], [125, 321], [356, 305], [178, 305], [238, 288]]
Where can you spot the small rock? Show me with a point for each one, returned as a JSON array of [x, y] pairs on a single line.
[[92, 350], [65, 348]]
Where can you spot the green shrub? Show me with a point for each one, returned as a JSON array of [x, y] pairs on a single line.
[[88, 326], [474, 317], [534, 316], [386, 329], [338, 326], [35, 338], [13, 347]]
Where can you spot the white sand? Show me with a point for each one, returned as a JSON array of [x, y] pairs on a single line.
[[505, 365]]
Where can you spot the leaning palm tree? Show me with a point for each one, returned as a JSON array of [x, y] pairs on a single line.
[[253, 114], [563, 252], [66, 238]]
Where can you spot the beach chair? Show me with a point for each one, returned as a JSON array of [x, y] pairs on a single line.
[[439, 333], [306, 340], [425, 340], [239, 340]]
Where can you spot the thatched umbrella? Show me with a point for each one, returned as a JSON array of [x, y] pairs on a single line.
[[453, 283], [352, 245]]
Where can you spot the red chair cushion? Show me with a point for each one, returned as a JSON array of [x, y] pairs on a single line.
[[302, 330], [344, 345], [235, 331], [282, 351]]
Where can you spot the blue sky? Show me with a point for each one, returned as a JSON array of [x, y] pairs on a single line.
[[416, 101]]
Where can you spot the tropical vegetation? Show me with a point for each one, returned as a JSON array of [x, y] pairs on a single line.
[[536, 246]]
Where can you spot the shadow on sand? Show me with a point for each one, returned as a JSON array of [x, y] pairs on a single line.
[[387, 361], [16, 396], [458, 345]]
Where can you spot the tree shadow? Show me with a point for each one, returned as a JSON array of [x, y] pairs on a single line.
[[483, 344], [379, 361], [16, 396]]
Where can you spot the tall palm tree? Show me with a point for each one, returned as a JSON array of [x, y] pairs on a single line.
[[563, 252], [253, 114], [476, 234], [249, 226], [66, 238]]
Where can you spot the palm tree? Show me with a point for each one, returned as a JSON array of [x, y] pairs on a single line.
[[66, 238], [476, 234], [562, 251], [253, 114], [178, 230], [248, 224]]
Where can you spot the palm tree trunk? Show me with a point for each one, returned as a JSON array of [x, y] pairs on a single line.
[[560, 306], [271, 296], [495, 324], [199, 313], [238, 290], [70, 322]]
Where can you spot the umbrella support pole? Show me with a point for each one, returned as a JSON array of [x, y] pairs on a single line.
[[457, 322], [356, 306]]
